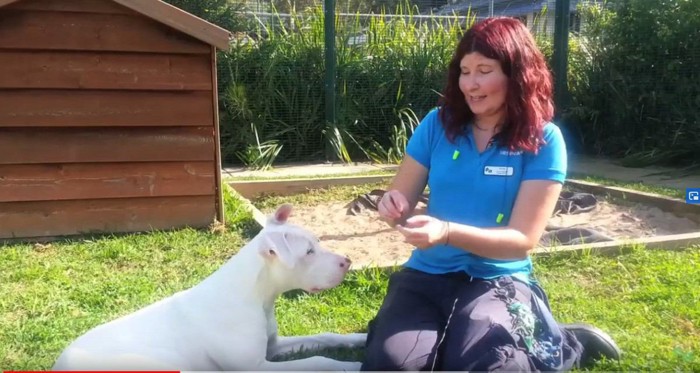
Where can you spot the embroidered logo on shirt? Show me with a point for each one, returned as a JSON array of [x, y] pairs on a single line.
[[498, 171]]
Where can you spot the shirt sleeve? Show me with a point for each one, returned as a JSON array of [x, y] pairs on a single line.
[[550, 163], [419, 146]]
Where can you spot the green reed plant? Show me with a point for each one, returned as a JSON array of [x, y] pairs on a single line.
[[400, 134], [277, 80], [337, 141], [401, 64], [384, 65], [260, 155]]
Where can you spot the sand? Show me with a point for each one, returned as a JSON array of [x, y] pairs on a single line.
[[368, 241]]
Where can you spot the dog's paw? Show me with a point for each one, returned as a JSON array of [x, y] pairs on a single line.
[[351, 366], [356, 339], [328, 364]]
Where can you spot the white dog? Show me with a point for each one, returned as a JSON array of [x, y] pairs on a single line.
[[227, 322]]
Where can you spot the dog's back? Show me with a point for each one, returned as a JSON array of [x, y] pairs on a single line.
[[129, 342]]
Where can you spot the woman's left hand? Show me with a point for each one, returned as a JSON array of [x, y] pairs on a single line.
[[423, 231]]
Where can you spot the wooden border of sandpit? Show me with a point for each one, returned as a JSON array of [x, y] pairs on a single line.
[[284, 187], [249, 189]]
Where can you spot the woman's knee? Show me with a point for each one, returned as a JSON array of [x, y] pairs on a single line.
[[496, 350], [380, 358], [413, 350], [403, 335]]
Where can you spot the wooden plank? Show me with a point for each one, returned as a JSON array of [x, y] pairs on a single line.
[[181, 20], [217, 149], [111, 144], [62, 108], [105, 180], [679, 241], [20, 29], [84, 6], [7, 2], [94, 70], [675, 206], [61, 218], [254, 188]]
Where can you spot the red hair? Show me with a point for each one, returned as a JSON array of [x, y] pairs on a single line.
[[529, 98]]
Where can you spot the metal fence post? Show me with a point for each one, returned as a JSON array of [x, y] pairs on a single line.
[[330, 78], [560, 55]]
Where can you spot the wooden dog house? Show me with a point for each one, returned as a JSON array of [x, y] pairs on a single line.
[[108, 118]]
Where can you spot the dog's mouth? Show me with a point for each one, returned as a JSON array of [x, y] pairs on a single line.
[[318, 289], [324, 285]]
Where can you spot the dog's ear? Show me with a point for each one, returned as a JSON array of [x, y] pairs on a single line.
[[276, 248], [282, 214]]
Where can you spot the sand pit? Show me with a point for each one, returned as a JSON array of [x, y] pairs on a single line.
[[368, 241]]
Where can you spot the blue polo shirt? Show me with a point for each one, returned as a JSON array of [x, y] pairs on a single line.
[[473, 188]]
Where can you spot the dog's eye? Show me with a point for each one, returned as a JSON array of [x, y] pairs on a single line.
[[310, 251]]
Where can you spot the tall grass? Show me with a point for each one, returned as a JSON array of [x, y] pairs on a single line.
[[386, 66]]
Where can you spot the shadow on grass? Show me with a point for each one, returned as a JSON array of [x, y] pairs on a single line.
[[340, 353]]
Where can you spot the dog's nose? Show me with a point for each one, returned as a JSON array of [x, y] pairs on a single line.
[[346, 263]]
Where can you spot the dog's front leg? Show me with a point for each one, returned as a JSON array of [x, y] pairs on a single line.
[[283, 345]]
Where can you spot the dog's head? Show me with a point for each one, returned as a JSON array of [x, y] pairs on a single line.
[[295, 256]]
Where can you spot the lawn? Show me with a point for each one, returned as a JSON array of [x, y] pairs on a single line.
[[649, 301]]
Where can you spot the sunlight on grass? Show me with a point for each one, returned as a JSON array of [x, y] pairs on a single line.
[[649, 301]]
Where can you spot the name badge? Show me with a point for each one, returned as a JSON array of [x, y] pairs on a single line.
[[498, 171]]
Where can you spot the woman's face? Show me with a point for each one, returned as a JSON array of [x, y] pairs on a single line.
[[484, 86]]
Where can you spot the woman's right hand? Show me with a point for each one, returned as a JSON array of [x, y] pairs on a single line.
[[393, 207]]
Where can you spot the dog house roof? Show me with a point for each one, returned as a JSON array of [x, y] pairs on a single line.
[[175, 18]]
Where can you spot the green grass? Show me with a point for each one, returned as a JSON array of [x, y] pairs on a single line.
[[649, 301]]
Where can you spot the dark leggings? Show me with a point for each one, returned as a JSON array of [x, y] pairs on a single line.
[[455, 322]]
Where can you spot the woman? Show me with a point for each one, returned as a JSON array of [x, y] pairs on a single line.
[[495, 165]]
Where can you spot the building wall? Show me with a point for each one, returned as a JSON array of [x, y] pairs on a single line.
[[107, 122]]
